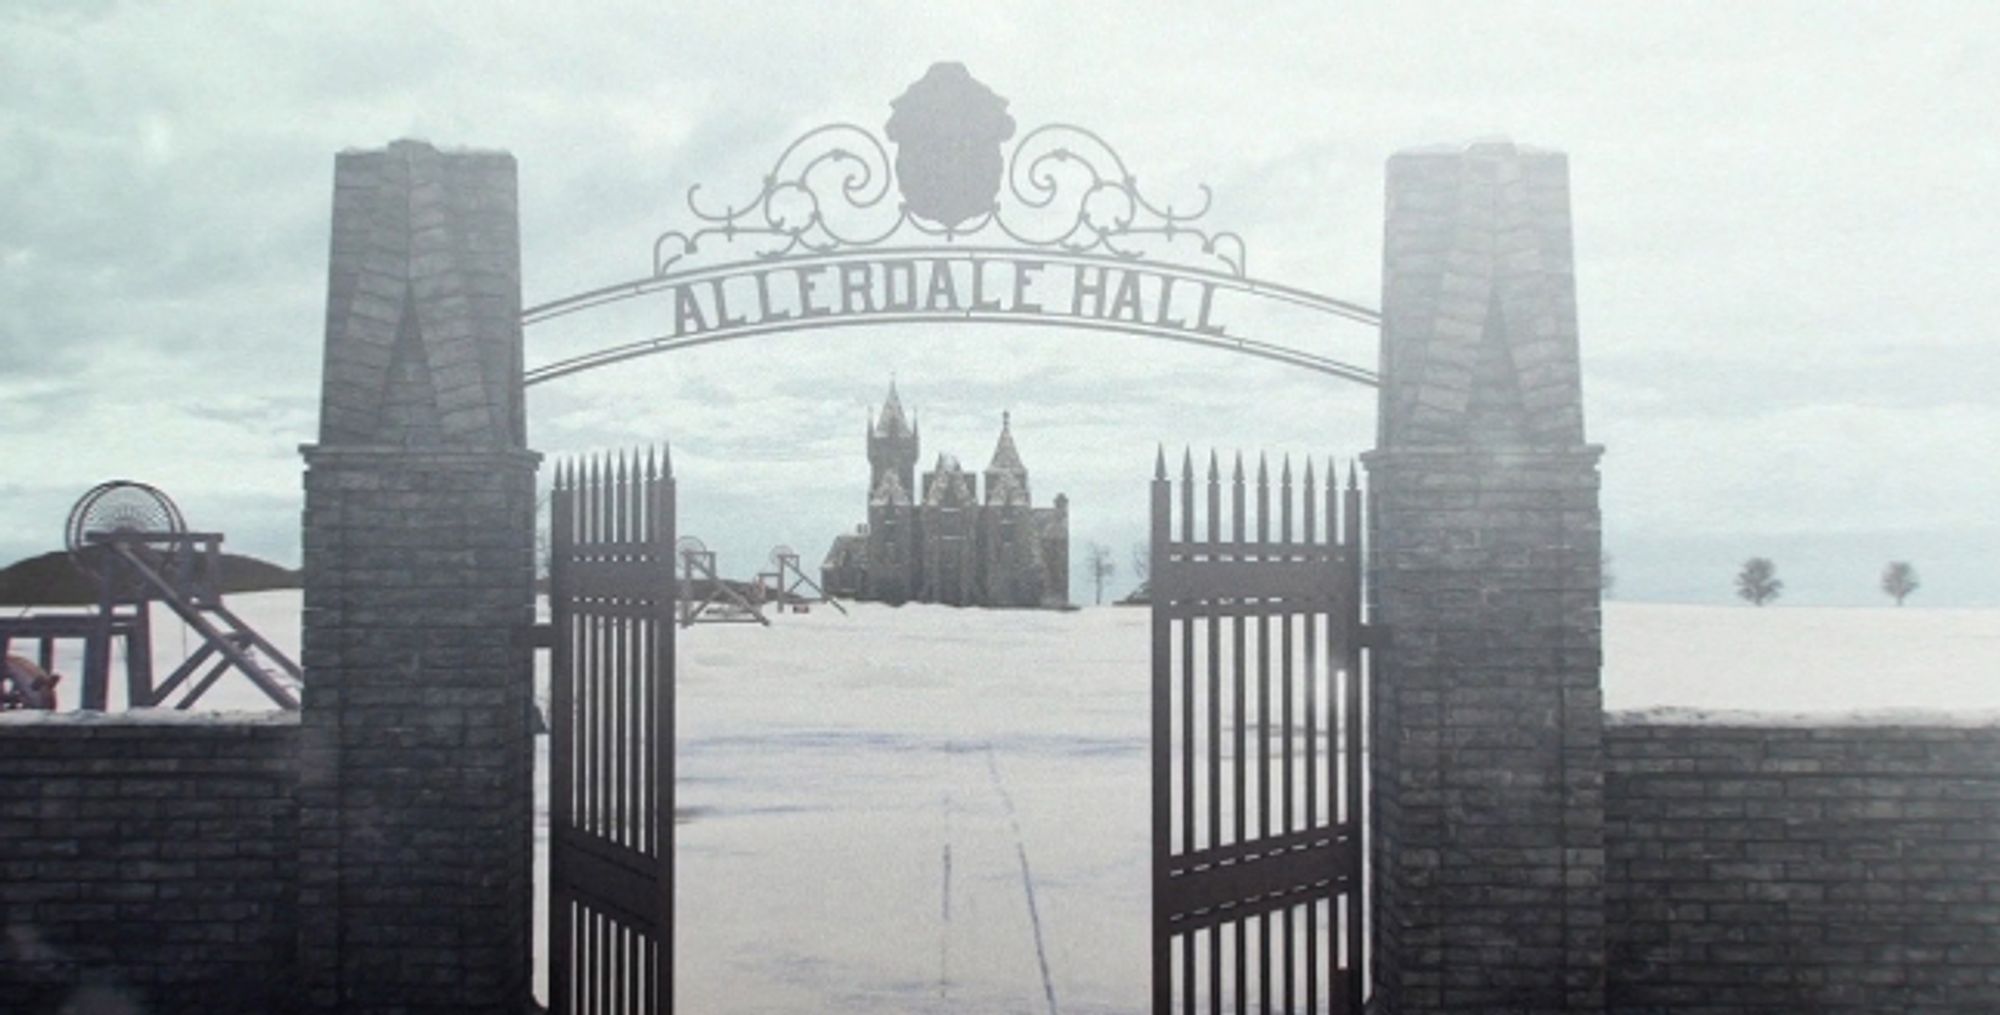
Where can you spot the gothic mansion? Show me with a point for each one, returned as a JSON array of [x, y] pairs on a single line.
[[949, 546]]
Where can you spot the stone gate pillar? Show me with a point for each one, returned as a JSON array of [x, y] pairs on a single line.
[[415, 791], [1485, 566]]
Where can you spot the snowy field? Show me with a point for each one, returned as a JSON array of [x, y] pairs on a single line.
[[931, 809]]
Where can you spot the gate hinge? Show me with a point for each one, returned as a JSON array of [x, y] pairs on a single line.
[[542, 635]]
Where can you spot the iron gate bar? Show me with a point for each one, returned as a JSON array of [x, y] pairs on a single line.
[[1353, 733], [1301, 857], [611, 775]]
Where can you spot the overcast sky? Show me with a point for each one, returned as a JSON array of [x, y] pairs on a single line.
[[1787, 222]]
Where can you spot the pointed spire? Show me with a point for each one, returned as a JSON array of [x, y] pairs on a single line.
[[1263, 473], [1309, 472], [1187, 464], [1214, 470], [667, 460], [1285, 471], [892, 422], [1239, 468], [1160, 462], [1006, 458], [1353, 476]]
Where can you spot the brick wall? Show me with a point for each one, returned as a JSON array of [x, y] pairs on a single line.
[[146, 865], [1790, 868]]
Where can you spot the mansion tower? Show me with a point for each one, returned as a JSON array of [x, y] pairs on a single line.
[[939, 541]]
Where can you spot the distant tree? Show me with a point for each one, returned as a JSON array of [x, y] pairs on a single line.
[[1758, 581], [1142, 561], [1098, 559], [1899, 579]]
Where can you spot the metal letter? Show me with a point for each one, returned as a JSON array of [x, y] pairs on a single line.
[[942, 284], [806, 306], [1023, 272], [1127, 299], [857, 285], [1095, 290], [687, 309]]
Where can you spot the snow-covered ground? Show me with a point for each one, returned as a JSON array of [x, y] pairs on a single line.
[[929, 809]]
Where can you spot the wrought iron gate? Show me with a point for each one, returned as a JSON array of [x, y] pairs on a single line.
[[611, 779], [1257, 772]]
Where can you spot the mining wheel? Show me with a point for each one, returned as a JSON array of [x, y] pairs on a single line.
[[123, 506], [689, 546]]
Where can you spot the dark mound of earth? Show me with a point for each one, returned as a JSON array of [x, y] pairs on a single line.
[[52, 580]]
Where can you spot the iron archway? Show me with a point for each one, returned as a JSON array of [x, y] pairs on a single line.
[[1071, 242]]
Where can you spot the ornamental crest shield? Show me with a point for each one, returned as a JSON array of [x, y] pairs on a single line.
[[947, 129]]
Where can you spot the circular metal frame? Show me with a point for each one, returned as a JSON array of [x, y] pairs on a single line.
[[689, 545], [121, 505]]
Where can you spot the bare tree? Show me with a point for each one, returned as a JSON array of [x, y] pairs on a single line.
[[1758, 581], [1142, 561], [1098, 559], [1899, 579]]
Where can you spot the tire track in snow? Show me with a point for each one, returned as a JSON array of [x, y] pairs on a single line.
[[1027, 878], [944, 933]]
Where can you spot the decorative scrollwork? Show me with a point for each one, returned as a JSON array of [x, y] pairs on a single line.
[[817, 198], [1075, 192], [1069, 190]]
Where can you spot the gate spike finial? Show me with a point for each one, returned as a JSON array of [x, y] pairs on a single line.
[[1309, 476], [652, 461], [1239, 467], [667, 460], [1214, 469], [1285, 471], [1187, 464], [1353, 475], [1263, 472], [1160, 462]]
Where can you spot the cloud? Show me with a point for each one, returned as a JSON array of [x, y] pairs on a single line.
[[1784, 224]]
